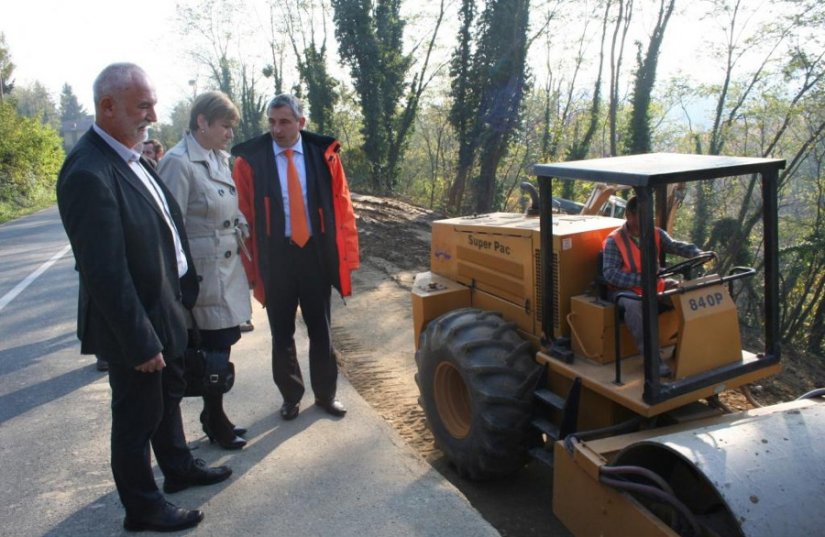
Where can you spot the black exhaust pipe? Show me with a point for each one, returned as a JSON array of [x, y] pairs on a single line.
[[529, 189]]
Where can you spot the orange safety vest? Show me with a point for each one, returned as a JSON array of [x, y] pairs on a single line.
[[632, 256]]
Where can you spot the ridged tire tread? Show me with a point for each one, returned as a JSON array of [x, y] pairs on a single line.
[[500, 374]]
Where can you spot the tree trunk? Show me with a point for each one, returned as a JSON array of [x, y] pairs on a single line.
[[579, 150], [639, 136], [486, 184], [616, 55]]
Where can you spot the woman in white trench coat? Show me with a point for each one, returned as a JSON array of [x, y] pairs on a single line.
[[197, 172]]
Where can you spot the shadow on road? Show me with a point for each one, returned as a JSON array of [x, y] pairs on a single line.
[[25, 399]]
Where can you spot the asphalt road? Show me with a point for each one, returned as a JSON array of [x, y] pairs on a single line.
[[315, 476], [42, 371], [38, 297]]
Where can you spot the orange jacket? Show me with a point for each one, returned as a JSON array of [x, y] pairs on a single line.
[[632, 256], [254, 175]]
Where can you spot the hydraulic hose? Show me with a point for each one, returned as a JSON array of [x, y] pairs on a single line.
[[819, 392], [628, 426], [641, 471], [746, 391], [657, 495]]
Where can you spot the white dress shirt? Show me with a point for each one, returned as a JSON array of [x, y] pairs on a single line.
[[132, 159], [280, 163]]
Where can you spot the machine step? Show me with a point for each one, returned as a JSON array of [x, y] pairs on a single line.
[[552, 399], [546, 427], [543, 456]]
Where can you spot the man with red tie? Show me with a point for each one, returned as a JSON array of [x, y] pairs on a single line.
[[303, 241]]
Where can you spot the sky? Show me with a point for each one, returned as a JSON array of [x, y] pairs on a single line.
[[59, 41]]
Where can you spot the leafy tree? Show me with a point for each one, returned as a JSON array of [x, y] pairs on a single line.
[[171, 133], [463, 91], [251, 107], [815, 320], [70, 107], [638, 139], [214, 32], [311, 59], [370, 39], [321, 94], [277, 43], [348, 126], [760, 109], [580, 148], [742, 45], [624, 18], [35, 102], [6, 69], [500, 66], [208, 27], [30, 157], [487, 88], [429, 162]]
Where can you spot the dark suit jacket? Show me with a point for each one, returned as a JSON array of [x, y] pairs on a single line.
[[131, 301]]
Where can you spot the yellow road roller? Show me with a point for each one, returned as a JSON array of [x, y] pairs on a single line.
[[521, 353]]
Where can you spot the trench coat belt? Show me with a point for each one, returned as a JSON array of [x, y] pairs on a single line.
[[236, 230]]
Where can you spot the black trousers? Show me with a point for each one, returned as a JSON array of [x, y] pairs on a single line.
[[146, 410], [298, 278]]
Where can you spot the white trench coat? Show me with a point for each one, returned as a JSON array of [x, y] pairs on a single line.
[[215, 227]]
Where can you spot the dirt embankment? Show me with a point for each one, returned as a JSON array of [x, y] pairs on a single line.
[[374, 337], [395, 245]]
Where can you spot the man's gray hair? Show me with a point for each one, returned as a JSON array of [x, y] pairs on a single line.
[[115, 78], [288, 100]]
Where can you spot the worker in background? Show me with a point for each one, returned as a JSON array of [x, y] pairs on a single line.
[[152, 151]]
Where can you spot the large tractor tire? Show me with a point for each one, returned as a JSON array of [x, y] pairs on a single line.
[[476, 376]]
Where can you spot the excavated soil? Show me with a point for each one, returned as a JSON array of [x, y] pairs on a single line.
[[373, 336]]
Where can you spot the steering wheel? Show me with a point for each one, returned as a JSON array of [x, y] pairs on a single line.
[[686, 266]]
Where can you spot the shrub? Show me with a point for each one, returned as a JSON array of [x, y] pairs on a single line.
[[30, 158]]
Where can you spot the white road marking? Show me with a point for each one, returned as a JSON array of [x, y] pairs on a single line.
[[8, 297]]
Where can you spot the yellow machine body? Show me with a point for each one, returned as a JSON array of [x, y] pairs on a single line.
[[433, 295], [592, 320], [497, 256], [491, 262], [709, 334]]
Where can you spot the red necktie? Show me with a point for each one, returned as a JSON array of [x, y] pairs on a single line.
[[297, 213]]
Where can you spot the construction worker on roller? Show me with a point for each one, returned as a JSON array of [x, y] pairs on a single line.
[[622, 266]]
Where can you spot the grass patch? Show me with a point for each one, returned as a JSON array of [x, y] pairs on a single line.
[[9, 210]]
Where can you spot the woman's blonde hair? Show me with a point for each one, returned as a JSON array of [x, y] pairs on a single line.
[[213, 105]]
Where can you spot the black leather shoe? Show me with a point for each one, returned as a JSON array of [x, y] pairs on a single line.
[[333, 407], [289, 411], [197, 476], [239, 431], [101, 364], [167, 517]]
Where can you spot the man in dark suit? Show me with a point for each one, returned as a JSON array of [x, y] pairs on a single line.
[[294, 194], [133, 260]]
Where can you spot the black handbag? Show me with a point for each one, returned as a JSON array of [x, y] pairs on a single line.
[[206, 372]]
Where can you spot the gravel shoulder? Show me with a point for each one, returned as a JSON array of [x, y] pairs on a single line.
[[374, 339]]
